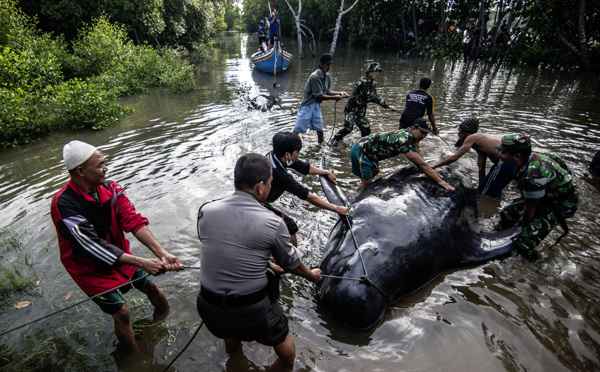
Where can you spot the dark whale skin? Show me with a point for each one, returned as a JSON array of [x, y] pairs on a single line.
[[408, 230]]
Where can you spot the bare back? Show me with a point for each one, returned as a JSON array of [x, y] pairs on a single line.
[[485, 145]]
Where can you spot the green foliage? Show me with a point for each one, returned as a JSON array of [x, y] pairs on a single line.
[[147, 67], [378, 23], [191, 23], [27, 70], [44, 87], [448, 47], [78, 104], [232, 18], [99, 46], [21, 119]]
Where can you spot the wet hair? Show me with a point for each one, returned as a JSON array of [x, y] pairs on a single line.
[[425, 82], [251, 169], [286, 142]]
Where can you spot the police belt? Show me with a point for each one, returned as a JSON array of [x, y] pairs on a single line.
[[232, 300]]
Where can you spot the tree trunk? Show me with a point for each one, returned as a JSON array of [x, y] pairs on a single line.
[[482, 30], [312, 47], [585, 59], [581, 53], [338, 24], [415, 24], [443, 17], [400, 3], [298, 29]]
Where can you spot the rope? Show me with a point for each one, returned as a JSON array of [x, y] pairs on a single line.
[[73, 305], [185, 347], [334, 120], [82, 301], [365, 278]]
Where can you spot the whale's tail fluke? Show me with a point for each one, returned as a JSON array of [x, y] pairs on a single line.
[[493, 245]]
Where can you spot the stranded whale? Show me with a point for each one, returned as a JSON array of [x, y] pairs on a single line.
[[403, 231]]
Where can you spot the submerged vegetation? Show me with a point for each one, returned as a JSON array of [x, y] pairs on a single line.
[[17, 275]]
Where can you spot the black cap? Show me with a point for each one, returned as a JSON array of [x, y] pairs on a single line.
[[423, 124], [326, 59]]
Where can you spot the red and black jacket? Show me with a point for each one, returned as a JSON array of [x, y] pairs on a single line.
[[91, 236]]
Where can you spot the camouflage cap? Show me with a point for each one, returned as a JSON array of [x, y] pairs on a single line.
[[423, 124], [374, 66], [514, 142]]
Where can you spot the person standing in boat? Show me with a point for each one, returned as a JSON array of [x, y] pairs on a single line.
[[286, 150], [91, 215], [355, 112], [274, 27], [262, 34], [316, 90]]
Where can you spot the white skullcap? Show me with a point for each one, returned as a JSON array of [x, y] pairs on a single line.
[[76, 153]]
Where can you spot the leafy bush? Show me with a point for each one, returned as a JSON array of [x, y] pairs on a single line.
[[35, 99], [449, 47], [146, 67], [21, 119], [99, 47], [77, 104]]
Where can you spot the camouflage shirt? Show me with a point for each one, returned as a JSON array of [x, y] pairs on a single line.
[[365, 91], [381, 146], [544, 176]]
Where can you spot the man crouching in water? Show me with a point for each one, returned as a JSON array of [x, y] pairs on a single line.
[[239, 235]]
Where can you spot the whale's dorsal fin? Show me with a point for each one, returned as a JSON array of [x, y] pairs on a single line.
[[334, 194]]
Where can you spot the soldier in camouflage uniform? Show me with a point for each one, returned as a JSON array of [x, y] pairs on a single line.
[[548, 195], [355, 112], [368, 151]]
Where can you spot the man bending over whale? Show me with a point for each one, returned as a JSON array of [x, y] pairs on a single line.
[[368, 151], [500, 174], [286, 150]]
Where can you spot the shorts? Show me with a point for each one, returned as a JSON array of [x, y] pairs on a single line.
[[112, 302], [361, 166], [309, 117], [289, 221], [262, 322]]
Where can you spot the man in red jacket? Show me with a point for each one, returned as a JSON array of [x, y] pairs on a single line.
[[91, 216]]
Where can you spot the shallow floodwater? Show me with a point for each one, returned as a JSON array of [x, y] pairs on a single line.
[[176, 152]]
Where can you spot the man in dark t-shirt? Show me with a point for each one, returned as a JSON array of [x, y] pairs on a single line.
[[418, 102], [286, 150]]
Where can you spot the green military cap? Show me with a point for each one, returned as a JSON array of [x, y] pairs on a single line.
[[374, 66], [514, 142]]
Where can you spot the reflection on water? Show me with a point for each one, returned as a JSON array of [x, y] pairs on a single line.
[[176, 152]]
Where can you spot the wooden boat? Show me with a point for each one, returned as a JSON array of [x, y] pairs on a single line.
[[273, 60]]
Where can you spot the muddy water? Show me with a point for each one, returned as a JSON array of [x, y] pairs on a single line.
[[176, 152]]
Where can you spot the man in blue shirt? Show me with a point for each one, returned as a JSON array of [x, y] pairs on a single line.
[[274, 27]]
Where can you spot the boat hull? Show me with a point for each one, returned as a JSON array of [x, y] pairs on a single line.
[[272, 61]]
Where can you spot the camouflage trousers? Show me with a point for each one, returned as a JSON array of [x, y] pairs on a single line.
[[547, 215], [354, 119]]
